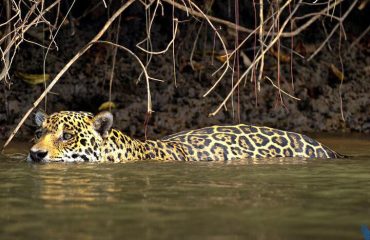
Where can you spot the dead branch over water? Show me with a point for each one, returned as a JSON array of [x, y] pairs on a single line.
[[275, 20]]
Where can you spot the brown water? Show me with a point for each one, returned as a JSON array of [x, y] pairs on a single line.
[[264, 199]]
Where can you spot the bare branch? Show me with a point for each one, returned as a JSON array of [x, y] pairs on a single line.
[[67, 66]]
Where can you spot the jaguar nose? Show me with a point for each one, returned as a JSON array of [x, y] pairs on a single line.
[[37, 156]]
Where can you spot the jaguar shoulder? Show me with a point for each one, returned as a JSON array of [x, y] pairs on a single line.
[[80, 136]]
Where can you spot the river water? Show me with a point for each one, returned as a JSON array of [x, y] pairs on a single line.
[[261, 199]]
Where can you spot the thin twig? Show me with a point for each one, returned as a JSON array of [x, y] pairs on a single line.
[[367, 30], [240, 45], [227, 61], [25, 28], [261, 44], [114, 58], [209, 18], [223, 104], [147, 77], [5, 57], [168, 45], [333, 30], [281, 90], [247, 30]]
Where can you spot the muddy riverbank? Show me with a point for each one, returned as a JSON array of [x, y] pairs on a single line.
[[325, 103]]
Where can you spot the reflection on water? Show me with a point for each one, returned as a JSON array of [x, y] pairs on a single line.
[[89, 185], [247, 199]]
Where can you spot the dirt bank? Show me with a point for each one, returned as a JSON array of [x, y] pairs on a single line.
[[180, 106]]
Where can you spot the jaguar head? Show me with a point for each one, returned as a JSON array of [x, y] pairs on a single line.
[[69, 136]]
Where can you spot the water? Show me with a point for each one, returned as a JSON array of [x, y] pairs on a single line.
[[265, 199]]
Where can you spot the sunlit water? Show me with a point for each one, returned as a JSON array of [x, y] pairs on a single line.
[[264, 199]]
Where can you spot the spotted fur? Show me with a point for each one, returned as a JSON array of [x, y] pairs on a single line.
[[80, 136]]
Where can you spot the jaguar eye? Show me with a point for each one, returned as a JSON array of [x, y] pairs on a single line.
[[67, 136], [38, 134]]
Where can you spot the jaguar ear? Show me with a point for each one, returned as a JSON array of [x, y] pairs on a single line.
[[40, 117], [102, 123]]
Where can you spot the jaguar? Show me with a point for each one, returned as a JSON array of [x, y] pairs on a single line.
[[69, 136]]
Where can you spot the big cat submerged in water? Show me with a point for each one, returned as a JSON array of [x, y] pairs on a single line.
[[80, 136]]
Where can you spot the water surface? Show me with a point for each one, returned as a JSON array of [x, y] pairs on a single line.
[[260, 199]]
